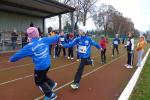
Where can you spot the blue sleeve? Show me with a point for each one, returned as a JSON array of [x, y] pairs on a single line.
[[24, 52], [51, 40], [95, 44], [70, 44]]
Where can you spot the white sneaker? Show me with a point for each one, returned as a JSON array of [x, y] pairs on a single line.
[[112, 55], [68, 57], [74, 86], [126, 65], [129, 66], [72, 58], [92, 62], [78, 60]]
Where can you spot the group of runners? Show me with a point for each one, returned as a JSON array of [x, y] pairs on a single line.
[[39, 50]]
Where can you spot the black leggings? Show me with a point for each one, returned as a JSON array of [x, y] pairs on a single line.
[[70, 52], [84, 61], [43, 82], [59, 50], [116, 47], [103, 55]]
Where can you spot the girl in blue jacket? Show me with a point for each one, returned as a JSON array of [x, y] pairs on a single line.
[[84, 49], [38, 50]]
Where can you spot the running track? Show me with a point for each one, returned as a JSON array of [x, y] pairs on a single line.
[[102, 82]]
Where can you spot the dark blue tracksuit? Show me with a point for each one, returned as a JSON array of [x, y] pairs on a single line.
[[115, 43], [130, 51]]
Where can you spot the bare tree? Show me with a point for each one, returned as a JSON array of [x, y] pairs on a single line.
[[103, 17], [87, 6], [83, 8]]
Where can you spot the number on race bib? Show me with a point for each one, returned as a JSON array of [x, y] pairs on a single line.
[[116, 42], [62, 39], [82, 49]]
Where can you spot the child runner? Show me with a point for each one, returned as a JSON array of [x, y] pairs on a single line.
[[70, 50], [130, 51], [140, 50], [103, 43], [115, 43], [61, 41], [84, 49], [38, 50]]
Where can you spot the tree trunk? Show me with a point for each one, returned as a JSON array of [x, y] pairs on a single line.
[[84, 19]]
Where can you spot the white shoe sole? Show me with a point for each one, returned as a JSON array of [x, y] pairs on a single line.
[[54, 87], [74, 88]]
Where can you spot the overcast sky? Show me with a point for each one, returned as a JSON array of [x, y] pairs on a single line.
[[137, 10]]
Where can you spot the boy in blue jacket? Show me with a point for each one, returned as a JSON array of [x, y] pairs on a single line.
[[115, 44], [84, 42], [38, 50]]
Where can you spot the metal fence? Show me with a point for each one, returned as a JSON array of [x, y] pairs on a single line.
[[6, 43]]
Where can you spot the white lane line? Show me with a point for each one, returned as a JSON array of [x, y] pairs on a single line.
[[4, 69], [15, 67], [131, 84], [87, 74], [15, 80], [3, 83]]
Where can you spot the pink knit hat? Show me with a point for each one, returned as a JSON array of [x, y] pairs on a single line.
[[32, 32]]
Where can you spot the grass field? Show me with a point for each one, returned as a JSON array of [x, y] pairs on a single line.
[[142, 89]]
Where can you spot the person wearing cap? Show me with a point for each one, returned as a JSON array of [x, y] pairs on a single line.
[[140, 49], [103, 43], [84, 42], [115, 44], [38, 50], [130, 50]]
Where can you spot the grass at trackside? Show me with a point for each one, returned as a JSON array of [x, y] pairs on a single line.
[[142, 88]]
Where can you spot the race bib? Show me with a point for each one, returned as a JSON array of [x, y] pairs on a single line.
[[116, 42], [82, 49], [62, 39]]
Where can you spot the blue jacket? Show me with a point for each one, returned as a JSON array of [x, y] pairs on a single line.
[[69, 40], [38, 50], [63, 39], [84, 45], [116, 42]]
